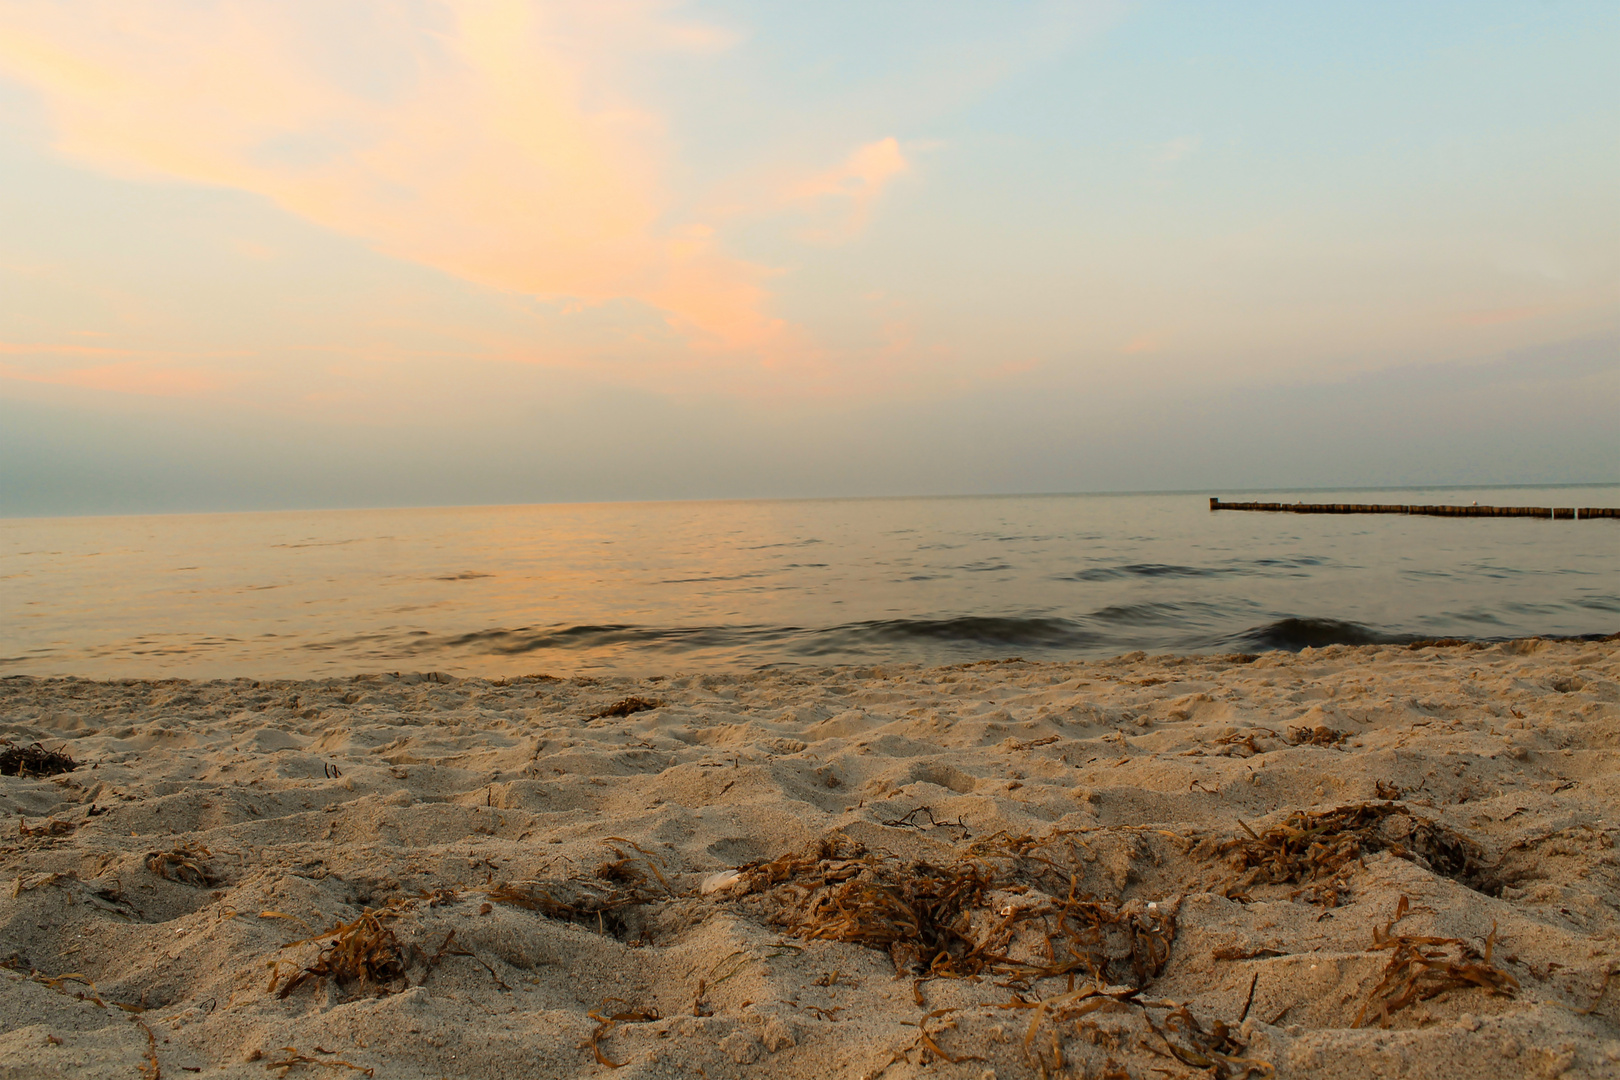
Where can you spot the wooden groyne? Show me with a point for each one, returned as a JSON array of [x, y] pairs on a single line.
[[1574, 513]]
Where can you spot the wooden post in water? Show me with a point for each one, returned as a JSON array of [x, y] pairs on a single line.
[[1553, 513]]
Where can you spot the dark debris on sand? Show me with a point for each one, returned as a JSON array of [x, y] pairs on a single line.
[[364, 956], [943, 922], [1319, 849], [627, 707], [1421, 968], [186, 865], [33, 760]]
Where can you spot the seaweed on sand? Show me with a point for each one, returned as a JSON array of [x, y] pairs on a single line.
[[621, 885], [606, 1023], [445, 950], [33, 760], [1316, 736], [964, 919], [364, 953], [1244, 739], [1420, 968], [52, 827], [1318, 849], [149, 1069], [918, 913], [292, 1059], [625, 870], [588, 903], [626, 707], [926, 1043], [1217, 1049], [186, 865]]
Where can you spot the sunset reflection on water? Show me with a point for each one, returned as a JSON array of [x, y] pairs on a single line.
[[726, 585]]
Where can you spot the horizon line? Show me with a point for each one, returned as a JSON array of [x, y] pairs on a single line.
[[1201, 492]]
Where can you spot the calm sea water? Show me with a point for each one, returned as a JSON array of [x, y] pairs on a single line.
[[663, 587]]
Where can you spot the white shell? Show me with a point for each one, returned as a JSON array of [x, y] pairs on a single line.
[[724, 881]]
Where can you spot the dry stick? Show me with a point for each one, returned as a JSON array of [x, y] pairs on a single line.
[[445, 950], [905, 822]]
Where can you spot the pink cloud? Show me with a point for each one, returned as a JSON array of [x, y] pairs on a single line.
[[487, 143], [132, 377], [17, 348], [850, 189], [153, 372]]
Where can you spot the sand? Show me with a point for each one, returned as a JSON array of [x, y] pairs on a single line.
[[298, 806]]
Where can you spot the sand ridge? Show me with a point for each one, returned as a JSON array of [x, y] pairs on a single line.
[[214, 828]]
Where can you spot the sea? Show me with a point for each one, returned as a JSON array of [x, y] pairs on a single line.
[[680, 587]]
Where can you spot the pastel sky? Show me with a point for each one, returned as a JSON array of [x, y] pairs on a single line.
[[383, 252]]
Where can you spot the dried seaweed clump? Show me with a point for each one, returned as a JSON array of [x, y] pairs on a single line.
[[626, 707], [637, 871], [1316, 736], [1420, 968], [1217, 1050], [364, 954], [594, 905], [623, 884], [1318, 849], [33, 760], [920, 914], [187, 865], [1010, 906]]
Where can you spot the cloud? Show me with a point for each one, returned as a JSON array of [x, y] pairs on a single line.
[[126, 371], [484, 138], [20, 348], [134, 377], [850, 189]]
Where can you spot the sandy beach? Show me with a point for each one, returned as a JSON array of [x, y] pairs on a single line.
[[1348, 862]]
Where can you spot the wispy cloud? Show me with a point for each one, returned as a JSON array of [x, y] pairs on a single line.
[[147, 372], [844, 195], [480, 137], [27, 348], [134, 377]]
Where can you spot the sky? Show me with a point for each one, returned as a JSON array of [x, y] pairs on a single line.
[[325, 253]]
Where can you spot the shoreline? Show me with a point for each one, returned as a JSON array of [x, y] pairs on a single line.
[[1292, 632], [525, 852]]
